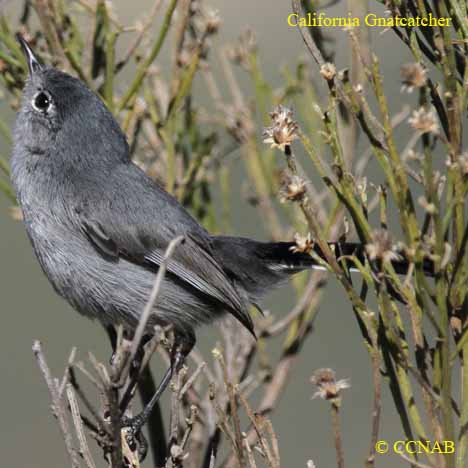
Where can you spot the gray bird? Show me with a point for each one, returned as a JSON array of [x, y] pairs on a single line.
[[99, 225]]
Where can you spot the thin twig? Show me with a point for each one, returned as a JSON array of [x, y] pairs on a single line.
[[76, 416], [58, 409], [309, 297], [335, 415]]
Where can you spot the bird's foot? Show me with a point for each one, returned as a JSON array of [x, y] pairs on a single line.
[[134, 443]]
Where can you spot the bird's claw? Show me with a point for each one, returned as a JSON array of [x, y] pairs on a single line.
[[133, 437]]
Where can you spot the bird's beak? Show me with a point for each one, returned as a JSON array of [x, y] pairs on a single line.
[[33, 62]]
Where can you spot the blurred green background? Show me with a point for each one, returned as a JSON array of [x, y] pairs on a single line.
[[30, 310]]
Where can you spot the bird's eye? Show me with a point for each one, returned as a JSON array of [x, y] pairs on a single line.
[[42, 101]]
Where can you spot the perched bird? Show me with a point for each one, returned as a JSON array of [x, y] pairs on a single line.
[[99, 225]]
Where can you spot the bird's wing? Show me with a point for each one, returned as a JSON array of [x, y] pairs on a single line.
[[141, 232]]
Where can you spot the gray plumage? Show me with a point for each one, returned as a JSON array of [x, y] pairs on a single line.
[[99, 225]]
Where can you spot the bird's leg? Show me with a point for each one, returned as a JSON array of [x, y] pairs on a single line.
[[183, 344], [112, 334], [135, 441], [139, 356]]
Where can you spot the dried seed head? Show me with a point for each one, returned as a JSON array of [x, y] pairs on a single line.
[[292, 189], [424, 120], [328, 388], [213, 21], [413, 75], [284, 128], [381, 247], [304, 244], [328, 71]]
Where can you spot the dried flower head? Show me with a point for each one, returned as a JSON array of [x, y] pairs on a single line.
[[304, 244], [328, 388], [413, 75], [292, 189], [381, 247], [213, 21], [284, 128], [424, 120], [328, 71]]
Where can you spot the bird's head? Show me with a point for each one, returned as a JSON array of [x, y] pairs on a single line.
[[62, 120]]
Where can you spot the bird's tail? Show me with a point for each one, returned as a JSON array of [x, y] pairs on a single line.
[[260, 266]]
